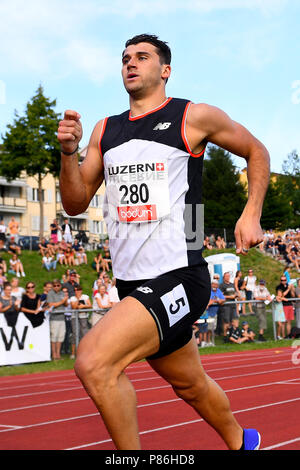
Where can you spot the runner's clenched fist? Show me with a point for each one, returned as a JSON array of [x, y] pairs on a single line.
[[70, 132]]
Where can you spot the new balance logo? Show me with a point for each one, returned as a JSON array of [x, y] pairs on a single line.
[[162, 126], [145, 290]]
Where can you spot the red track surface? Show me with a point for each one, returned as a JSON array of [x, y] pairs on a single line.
[[52, 411]]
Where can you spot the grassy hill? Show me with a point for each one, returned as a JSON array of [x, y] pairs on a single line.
[[262, 265]]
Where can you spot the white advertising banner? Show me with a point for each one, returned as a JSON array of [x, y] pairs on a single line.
[[25, 341]]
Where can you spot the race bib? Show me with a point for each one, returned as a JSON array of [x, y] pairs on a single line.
[[138, 192]]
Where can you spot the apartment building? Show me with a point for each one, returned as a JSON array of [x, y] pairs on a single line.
[[19, 198]]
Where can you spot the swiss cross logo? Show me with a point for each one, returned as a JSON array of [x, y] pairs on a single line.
[[160, 167]]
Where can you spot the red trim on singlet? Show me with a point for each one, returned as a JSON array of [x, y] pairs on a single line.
[[195, 155], [149, 112], [101, 135]]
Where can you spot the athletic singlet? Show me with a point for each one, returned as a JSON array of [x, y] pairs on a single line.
[[153, 192]]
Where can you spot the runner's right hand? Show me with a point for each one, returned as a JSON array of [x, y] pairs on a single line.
[[69, 131]]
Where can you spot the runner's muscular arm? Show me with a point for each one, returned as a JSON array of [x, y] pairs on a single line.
[[78, 183], [210, 124]]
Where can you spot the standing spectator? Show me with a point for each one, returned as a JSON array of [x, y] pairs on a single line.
[[113, 293], [81, 302], [227, 312], [16, 266], [31, 305], [101, 303], [46, 289], [49, 262], [216, 299], [54, 228], [13, 227], [262, 294], [239, 285], [297, 293], [250, 283], [2, 231], [67, 231], [9, 305], [279, 316], [288, 293], [57, 300], [68, 318], [71, 283]]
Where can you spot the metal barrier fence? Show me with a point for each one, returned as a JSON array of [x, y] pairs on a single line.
[[235, 302]]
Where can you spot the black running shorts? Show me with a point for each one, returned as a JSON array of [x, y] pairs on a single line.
[[175, 300]]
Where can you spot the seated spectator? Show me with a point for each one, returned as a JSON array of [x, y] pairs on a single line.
[[3, 265], [70, 255], [206, 243], [98, 263], [261, 293], [16, 266], [43, 246], [16, 290], [9, 305], [31, 305], [234, 334], [57, 300], [220, 243], [49, 262], [101, 303], [80, 254], [61, 257], [81, 302], [107, 262], [247, 332], [279, 316], [3, 279], [13, 248]]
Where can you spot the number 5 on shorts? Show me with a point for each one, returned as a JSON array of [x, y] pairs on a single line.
[[176, 304]]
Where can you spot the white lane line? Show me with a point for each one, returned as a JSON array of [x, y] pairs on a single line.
[[185, 423], [281, 444]]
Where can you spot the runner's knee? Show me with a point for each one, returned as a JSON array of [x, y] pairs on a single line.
[[192, 392]]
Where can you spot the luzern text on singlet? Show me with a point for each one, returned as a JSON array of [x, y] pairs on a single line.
[[152, 204]]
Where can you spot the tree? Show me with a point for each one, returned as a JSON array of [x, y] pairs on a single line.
[[30, 144], [224, 195], [277, 210], [290, 186]]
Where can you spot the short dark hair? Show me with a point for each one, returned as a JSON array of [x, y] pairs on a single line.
[[162, 47]]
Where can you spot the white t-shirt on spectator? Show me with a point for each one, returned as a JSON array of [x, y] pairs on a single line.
[[104, 300], [85, 298], [113, 295]]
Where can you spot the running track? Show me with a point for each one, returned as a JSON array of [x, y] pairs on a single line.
[[51, 411]]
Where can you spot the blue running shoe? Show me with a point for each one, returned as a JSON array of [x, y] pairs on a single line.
[[251, 439]]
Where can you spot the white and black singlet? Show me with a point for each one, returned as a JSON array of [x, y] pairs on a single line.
[[152, 209], [153, 192]]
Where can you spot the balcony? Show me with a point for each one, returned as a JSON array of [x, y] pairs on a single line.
[[13, 204]]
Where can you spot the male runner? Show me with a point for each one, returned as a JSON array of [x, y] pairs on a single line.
[[151, 159]]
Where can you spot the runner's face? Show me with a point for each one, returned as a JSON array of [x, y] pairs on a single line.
[[141, 69]]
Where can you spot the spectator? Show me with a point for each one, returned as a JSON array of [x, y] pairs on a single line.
[[61, 257], [216, 299], [220, 243], [279, 316], [3, 279], [227, 312], [31, 305], [49, 262], [288, 294], [234, 334], [297, 293], [107, 263], [80, 302], [239, 285], [262, 294], [98, 263], [9, 305], [2, 231], [101, 303], [67, 231], [206, 243], [70, 255], [13, 228], [13, 248], [54, 228], [68, 318], [43, 246], [16, 266], [46, 289], [113, 293], [3, 265], [16, 290], [250, 283], [247, 332], [71, 282], [200, 328], [57, 300], [79, 252], [81, 237]]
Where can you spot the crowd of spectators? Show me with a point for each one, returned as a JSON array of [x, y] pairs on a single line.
[[283, 247], [225, 310]]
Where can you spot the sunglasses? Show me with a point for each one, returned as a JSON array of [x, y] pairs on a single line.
[[56, 285], [30, 287]]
